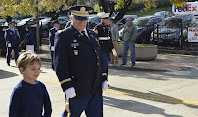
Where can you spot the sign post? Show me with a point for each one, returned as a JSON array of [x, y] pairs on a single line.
[[192, 34]]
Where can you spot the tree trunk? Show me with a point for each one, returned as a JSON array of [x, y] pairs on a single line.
[[123, 10], [37, 35]]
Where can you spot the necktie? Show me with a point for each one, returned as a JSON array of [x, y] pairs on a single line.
[[83, 32]]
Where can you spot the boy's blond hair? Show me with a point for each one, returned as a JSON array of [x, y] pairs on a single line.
[[27, 58]]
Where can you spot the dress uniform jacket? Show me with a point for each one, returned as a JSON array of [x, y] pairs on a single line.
[[52, 33], [12, 37], [78, 62], [29, 38], [104, 34]]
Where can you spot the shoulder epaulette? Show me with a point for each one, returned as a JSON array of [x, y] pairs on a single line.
[[60, 31]]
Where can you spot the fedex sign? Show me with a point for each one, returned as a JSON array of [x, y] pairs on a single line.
[[191, 8]]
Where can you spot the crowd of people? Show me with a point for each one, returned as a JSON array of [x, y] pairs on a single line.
[[80, 58]]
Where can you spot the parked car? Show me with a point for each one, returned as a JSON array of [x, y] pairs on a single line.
[[63, 21], [164, 14], [145, 25], [47, 25], [44, 26], [93, 20], [2, 21], [170, 30]]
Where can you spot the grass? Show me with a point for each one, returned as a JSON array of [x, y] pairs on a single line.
[[150, 12]]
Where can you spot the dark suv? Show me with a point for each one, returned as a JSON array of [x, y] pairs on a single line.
[[145, 25], [170, 30]]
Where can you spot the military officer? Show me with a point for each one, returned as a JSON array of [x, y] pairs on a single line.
[[52, 33], [104, 33], [79, 66], [12, 39]]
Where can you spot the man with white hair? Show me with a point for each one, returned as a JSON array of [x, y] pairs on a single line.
[[79, 66]]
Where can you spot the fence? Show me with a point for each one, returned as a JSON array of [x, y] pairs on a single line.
[[172, 38]]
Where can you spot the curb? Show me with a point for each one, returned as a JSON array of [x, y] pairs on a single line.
[[137, 69], [122, 68], [184, 52]]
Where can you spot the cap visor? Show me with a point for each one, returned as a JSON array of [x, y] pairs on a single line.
[[105, 18], [80, 18]]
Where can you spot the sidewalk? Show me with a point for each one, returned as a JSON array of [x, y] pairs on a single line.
[[163, 62]]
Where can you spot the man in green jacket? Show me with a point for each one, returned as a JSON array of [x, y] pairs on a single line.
[[129, 36]]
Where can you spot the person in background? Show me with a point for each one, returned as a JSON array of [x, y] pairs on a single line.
[[29, 97], [12, 39], [79, 66], [129, 36], [52, 33], [114, 37], [29, 40], [104, 36]]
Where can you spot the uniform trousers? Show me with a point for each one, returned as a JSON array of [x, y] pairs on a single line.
[[52, 59], [16, 53], [30, 48], [92, 105], [106, 57], [114, 59]]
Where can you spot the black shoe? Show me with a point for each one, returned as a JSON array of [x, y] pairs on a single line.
[[8, 64]]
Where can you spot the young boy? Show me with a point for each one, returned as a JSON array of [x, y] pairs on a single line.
[[30, 97]]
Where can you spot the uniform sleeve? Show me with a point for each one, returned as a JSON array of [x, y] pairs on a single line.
[[116, 33], [18, 34], [104, 71], [47, 104], [61, 62], [6, 36], [14, 109], [51, 38]]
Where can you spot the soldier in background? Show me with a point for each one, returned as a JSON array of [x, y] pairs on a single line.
[[79, 66], [104, 36], [52, 32], [114, 37], [12, 39]]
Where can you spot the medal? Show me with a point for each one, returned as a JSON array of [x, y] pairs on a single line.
[[75, 52]]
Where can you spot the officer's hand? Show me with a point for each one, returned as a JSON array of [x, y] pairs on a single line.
[[105, 85], [114, 52], [70, 93], [52, 48], [9, 45]]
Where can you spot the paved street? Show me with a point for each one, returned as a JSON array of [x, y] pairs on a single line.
[[132, 93]]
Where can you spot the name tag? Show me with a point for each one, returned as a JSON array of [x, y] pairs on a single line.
[[74, 44]]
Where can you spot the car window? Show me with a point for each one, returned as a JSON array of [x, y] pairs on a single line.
[[157, 20], [175, 23], [96, 20], [140, 22]]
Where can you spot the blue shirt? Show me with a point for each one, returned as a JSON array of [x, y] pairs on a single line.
[[30, 100]]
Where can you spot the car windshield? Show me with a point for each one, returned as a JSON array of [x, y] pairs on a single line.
[[22, 22], [158, 13], [140, 22], [171, 23], [90, 19], [45, 21]]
